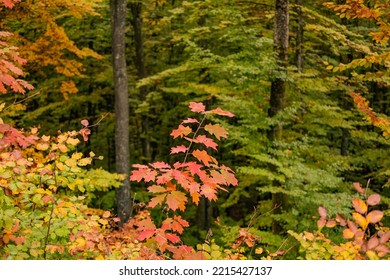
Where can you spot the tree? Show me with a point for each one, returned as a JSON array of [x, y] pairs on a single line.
[[122, 147], [278, 88]]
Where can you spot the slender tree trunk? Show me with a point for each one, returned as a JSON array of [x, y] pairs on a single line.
[[278, 92], [300, 36], [122, 150], [136, 22]]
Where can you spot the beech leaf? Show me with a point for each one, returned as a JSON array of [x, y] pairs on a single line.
[[359, 205], [374, 216], [373, 199]]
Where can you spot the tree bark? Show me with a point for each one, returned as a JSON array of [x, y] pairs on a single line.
[[300, 31], [278, 92], [136, 22], [122, 148]]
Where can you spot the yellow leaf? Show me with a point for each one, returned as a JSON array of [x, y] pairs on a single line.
[[259, 250], [360, 220], [72, 141]]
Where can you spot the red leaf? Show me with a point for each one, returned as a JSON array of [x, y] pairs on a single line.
[[176, 200], [348, 233], [352, 226], [221, 112], [178, 149], [384, 237], [340, 218], [190, 120], [172, 237], [146, 234], [197, 107], [373, 199], [203, 156], [358, 187], [321, 222], [229, 176], [85, 122], [208, 142], [322, 212], [374, 216], [181, 131], [217, 130], [331, 223], [372, 243], [209, 192], [160, 165]]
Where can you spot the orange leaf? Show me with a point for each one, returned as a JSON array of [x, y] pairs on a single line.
[[374, 216], [181, 131], [203, 156], [359, 205], [358, 187], [157, 200], [208, 142], [178, 149], [209, 192], [321, 222], [348, 234], [331, 223], [360, 220], [156, 189], [176, 200], [372, 243], [221, 112], [217, 130]]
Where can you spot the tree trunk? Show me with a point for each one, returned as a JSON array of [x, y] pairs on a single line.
[[278, 92], [300, 36], [136, 22], [122, 150]]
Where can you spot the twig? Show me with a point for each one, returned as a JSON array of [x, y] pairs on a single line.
[[23, 100]]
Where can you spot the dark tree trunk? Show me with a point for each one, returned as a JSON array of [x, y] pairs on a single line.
[[278, 92], [300, 36], [136, 22], [122, 150]]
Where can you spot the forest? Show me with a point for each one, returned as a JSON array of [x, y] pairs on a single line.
[[194, 130]]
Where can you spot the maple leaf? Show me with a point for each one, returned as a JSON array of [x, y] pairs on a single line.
[[197, 107], [203, 156], [221, 112], [160, 165], [146, 234], [190, 120], [209, 192], [165, 177], [196, 168], [178, 149], [172, 237], [208, 142], [217, 130], [181, 131], [138, 175], [156, 189], [176, 200], [157, 200]]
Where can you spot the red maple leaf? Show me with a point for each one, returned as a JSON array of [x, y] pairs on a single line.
[[160, 165], [176, 200], [178, 149], [157, 189], [157, 200], [197, 107], [181, 131], [208, 142], [190, 120], [203, 156], [209, 191], [217, 130], [221, 112]]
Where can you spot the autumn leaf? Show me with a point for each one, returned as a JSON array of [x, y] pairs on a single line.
[[146, 234], [374, 216], [156, 189], [331, 223], [217, 130], [202, 156], [157, 200], [221, 112], [209, 192], [321, 222], [176, 200], [190, 120], [208, 142], [197, 107], [181, 131], [178, 149], [360, 220], [372, 242], [322, 212], [348, 234], [373, 199], [358, 187], [85, 122], [359, 205]]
